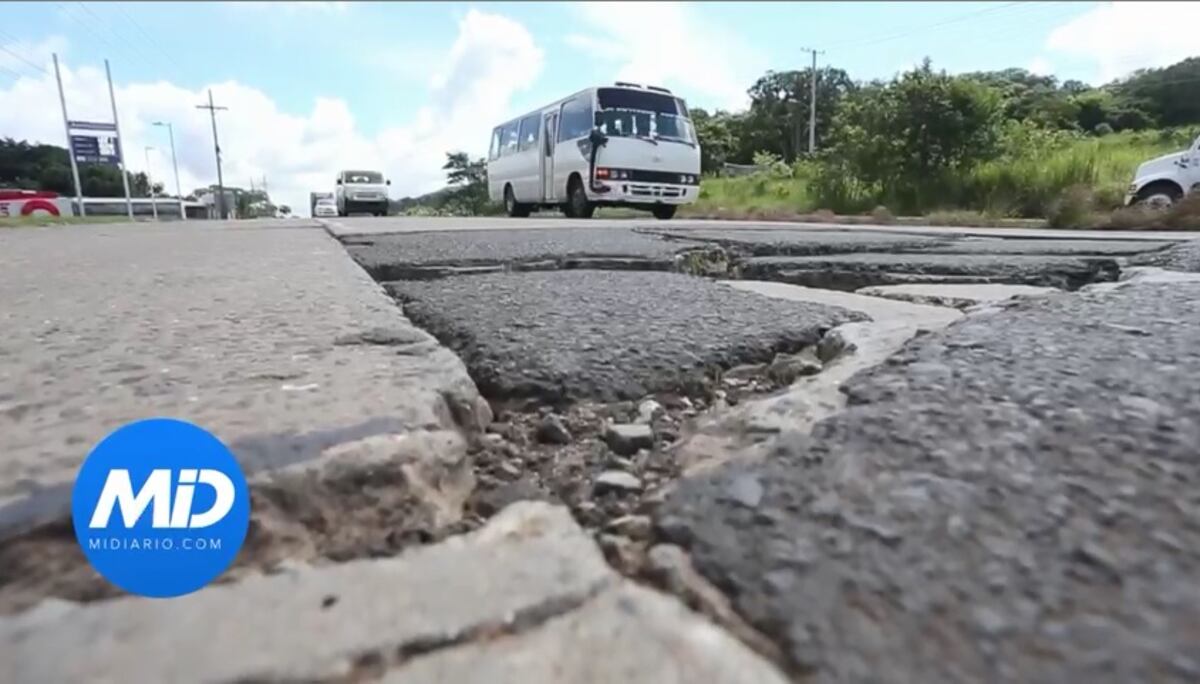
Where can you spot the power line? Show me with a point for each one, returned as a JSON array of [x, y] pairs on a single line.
[[917, 29], [137, 54], [30, 63], [12, 74], [149, 38]]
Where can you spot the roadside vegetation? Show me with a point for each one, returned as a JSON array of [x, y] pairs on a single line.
[[38, 221], [1031, 174], [984, 147], [990, 148]]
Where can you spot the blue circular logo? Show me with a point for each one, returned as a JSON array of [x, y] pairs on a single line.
[[160, 507]]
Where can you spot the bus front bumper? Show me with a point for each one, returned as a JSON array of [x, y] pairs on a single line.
[[638, 192]]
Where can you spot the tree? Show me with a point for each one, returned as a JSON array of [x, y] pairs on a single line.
[[461, 171], [910, 135], [779, 110], [47, 167], [717, 134], [1170, 95], [1034, 98], [468, 184]]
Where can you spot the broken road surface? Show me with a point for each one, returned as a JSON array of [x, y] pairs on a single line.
[[613, 451]]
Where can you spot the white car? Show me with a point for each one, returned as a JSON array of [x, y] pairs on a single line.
[[325, 208], [1164, 180], [359, 192]]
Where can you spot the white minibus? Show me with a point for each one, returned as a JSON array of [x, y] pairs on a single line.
[[620, 145]]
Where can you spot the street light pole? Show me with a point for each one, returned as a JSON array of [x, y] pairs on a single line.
[[175, 165], [150, 182]]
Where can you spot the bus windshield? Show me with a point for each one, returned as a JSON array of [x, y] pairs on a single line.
[[632, 123], [625, 112]]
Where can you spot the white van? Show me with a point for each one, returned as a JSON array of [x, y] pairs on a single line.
[[1164, 180], [362, 192], [622, 145]]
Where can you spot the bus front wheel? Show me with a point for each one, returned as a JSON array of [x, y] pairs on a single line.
[[663, 211], [578, 205], [511, 206]]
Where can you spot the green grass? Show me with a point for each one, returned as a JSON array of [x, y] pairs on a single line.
[[752, 194], [37, 221], [1025, 185]]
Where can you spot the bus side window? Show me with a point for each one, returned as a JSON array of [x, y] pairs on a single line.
[[529, 131], [576, 119], [510, 138], [494, 151]]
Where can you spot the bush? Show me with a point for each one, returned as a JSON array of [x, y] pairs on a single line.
[[1139, 216], [771, 165], [1073, 209], [1102, 129], [1185, 214], [882, 214]]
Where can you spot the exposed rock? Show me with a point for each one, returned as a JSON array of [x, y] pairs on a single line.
[[618, 481], [552, 431], [786, 368], [647, 411], [635, 527], [488, 503], [626, 438]]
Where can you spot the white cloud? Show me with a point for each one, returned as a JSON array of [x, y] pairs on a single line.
[[668, 44], [1120, 37], [1041, 66], [492, 59]]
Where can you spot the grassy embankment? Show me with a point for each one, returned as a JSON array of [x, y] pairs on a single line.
[[37, 221], [1080, 183]]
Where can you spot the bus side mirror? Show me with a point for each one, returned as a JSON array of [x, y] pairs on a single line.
[[388, 181], [596, 137], [339, 181]]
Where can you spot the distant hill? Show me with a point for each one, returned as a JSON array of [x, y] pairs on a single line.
[[430, 199]]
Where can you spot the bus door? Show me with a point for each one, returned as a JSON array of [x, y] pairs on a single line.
[[549, 135]]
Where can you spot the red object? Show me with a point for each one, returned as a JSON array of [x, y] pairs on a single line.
[[9, 195], [35, 204]]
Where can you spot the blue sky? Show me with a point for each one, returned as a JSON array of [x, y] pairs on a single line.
[[382, 82]]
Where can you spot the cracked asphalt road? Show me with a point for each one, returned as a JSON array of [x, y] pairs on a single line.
[[1011, 499], [380, 254], [569, 335]]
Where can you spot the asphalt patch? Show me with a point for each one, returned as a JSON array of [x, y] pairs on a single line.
[[853, 271], [402, 256], [1011, 499], [1049, 247], [780, 241], [562, 336]]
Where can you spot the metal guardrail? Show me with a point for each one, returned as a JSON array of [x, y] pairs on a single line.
[[739, 169]]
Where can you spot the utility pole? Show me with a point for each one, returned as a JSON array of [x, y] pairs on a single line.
[[120, 142], [812, 101], [62, 99], [212, 112], [175, 164]]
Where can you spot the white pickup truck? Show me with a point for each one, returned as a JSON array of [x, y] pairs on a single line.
[[1164, 180]]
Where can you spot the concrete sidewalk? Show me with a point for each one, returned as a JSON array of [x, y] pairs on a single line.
[[264, 332]]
